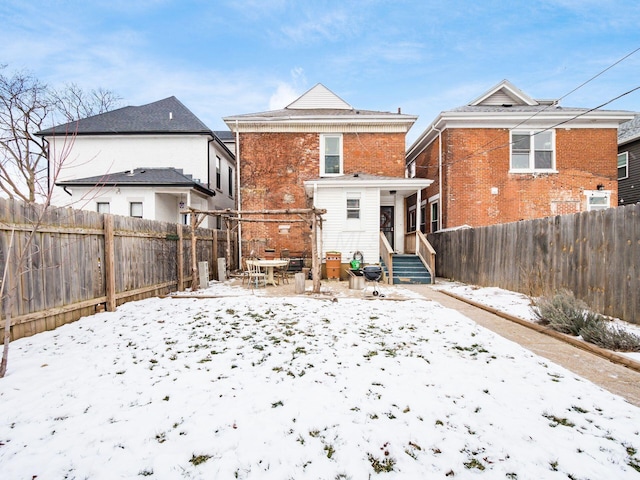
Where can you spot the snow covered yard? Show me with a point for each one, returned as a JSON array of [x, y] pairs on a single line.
[[249, 386]]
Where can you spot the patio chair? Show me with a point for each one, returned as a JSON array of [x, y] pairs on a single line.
[[256, 275], [283, 272]]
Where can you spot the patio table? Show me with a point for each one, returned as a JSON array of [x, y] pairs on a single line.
[[269, 265]]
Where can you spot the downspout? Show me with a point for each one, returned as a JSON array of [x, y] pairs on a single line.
[[238, 196], [440, 199]]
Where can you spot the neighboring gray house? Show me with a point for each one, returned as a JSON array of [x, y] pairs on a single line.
[[157, 137], [629, 162], [153, 189]]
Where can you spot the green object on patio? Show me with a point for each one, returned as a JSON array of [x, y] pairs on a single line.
[[355, 264]]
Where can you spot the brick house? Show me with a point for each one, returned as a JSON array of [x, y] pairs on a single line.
[[629, 162], [320, 151], [506, 157]]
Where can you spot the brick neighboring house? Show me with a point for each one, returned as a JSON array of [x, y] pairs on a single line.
[[136, 156], [506, 157], [320, 151], [629, 162]]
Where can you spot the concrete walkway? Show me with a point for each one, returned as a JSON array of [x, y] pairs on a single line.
[[615, 378]]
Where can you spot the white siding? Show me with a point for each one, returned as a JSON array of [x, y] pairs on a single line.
[[348, 236]]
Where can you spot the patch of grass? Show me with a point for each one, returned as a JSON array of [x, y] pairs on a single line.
[[381, 465], [371, 353], [474, 463], [555, 421], [147, 472], [277, 404], [330, 450], [199, 459]]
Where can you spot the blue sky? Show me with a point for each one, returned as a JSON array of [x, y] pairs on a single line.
[[224, 57]]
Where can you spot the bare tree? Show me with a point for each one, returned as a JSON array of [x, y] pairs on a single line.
[[75, 103], [25, 105], [29, 169]]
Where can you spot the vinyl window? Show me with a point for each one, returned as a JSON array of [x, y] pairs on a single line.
[[331, 155], [532, 150], [623, 165]]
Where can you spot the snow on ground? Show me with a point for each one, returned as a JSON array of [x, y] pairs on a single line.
[[516, 304], [256, 387]]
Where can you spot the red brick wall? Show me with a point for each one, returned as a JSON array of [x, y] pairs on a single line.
[[477, 160], [273, 167]]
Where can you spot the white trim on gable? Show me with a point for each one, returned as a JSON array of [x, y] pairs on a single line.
[[319, 96], [504, 93]]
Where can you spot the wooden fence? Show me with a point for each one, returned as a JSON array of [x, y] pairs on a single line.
[[596, 255], [80, 262]]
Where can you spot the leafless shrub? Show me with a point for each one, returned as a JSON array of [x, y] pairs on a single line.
[[610, 337]]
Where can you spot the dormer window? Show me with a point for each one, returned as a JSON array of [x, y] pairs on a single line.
[[331, 155]]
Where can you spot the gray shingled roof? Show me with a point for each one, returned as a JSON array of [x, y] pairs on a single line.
[[629, 131], [517, 108], [317, 112], [141, 177], [164, 116]]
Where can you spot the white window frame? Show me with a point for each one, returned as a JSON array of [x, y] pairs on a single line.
[[434, 209], [595, 199], [353, 223], [624, 155], [411, 169], [412, 219], [323, 172], [533, 148]]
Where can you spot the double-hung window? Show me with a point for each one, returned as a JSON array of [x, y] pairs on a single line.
[[353, 206], [435, 217], [532, 151], [331, 154], [623, 165]]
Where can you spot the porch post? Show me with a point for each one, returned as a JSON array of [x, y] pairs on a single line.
[[418, 214]]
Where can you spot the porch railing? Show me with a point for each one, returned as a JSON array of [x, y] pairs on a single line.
[[418, 243], [386, 252]]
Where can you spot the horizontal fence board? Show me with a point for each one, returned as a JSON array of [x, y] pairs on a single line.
[[596, 255]]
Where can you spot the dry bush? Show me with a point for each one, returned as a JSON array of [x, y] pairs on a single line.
[[566, 314]]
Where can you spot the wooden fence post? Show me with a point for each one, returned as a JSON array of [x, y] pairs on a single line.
[[194, 254], [109, 264], [180, 259]]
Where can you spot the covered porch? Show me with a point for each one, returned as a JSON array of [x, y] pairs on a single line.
[[366, 218]]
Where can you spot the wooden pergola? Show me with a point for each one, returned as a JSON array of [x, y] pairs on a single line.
[[310, 216]]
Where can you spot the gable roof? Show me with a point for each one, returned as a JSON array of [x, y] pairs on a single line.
[[629, 131], [168, 116], [141, 177], [502, 94], [507, 107], [320, 110], [319, 97]]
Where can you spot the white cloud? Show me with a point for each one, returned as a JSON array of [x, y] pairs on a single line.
[[288, 92]]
